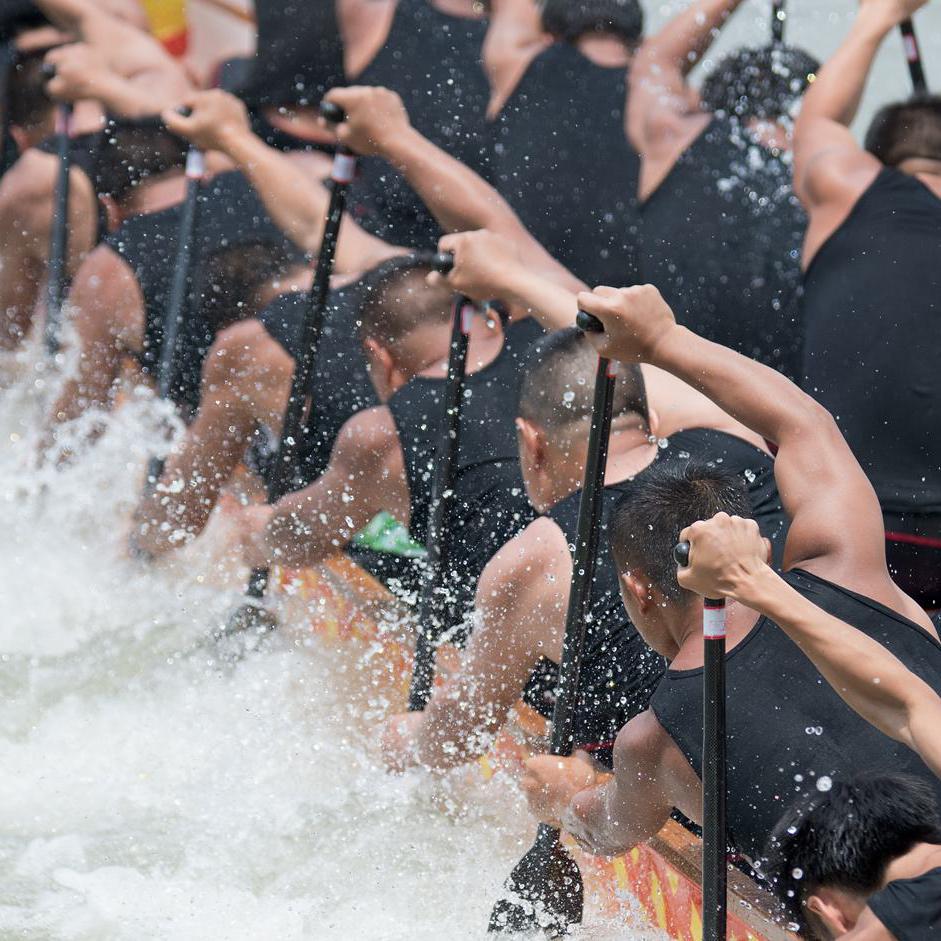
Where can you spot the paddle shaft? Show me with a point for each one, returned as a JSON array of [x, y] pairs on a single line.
[[280, 478], [714, 866], [913, 54], [714, 845], [59, 234], [181, 293], [432, 602], [778, 21], [8, 59]]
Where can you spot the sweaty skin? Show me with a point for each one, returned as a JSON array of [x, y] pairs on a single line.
[[836, 532]]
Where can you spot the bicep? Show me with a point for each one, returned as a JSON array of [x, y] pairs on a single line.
[[829, 165]]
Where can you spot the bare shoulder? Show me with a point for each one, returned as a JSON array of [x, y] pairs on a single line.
[[105, 277], [364, 27], [369, 435]]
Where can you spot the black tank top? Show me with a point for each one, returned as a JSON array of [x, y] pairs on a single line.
[[787, 730], [722, 241], [490, 504], [230, 213], [299, 53], [910, 909], [872, 302], [434, 62], [563, 163], [340, 386], [619, 672]]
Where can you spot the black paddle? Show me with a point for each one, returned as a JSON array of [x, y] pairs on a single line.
[[180, 289], [913, 54], [59, 234], [8, 60], [778, 21], [432, 604], [252, 616], [545, 889], [714, 865]]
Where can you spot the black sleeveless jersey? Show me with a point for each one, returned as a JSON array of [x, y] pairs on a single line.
[[619, 671], [229, 213], [434, 62], [787, 730], [873, 338], [910, 909], [563, 163], [490, 505], [340, 386], [299, 53], [722, 240]]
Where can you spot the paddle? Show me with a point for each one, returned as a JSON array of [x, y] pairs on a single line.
[[180, 292], [8, 59], [545, 889], [432, 603], [59, 234], [778, 21], [714, 865], [913, 54], [252, 616]]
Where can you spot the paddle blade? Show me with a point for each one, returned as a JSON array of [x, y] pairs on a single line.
[[244, 631], [544, 891]]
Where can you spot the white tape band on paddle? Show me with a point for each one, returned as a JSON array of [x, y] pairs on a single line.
[[195, 164], [344, 168], [64, 121], [713, 622], [467, 318], [911, 48]]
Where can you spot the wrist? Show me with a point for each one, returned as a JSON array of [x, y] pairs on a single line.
[[238, 143], [662, 351], [399, 149], [758, 589], [874, 23]]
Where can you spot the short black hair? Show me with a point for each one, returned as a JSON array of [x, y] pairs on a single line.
[[846, 837], [764, 82], [28, 101], [559, 379], [398, 301], [906, 129], [569, 20], [233, 277], [658, 505], [132, 151]]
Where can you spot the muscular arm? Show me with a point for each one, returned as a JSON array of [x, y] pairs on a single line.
[[836, 522], [829, 165], [651, 777], [296, 202], [366, 474], [658, 76], [521, 601], [457, 197]]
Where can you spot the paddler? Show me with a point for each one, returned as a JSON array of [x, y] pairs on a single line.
[[788, 731]]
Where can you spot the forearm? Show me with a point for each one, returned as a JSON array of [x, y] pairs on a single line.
[[593, 817], [309, 526], [455, 732], [136, 97], [457, 197], [552, 304], [297, 204], [838, 89], [756, 395], [686, 38], [66, 14]]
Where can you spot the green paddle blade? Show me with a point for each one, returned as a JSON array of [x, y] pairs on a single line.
[[544, 891]]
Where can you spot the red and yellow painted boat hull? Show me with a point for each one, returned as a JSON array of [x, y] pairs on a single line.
[[342, 603]]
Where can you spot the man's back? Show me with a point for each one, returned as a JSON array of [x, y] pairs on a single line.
[[788, 730]]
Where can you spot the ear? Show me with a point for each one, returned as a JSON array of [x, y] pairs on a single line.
[[653, 423], [638, 589], [21, 137], [827, 908], [532, 441], [113, 215]]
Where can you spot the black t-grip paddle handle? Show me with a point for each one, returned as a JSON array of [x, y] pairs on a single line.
[[48, 70], [184, 111], [588, 323], [681, 554], [332, 113], [443, 262]]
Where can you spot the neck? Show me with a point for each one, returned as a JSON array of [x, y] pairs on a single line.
[[160, 192], [467, 9], [604, 49], [916, 862], [431, 359], [925, 169]]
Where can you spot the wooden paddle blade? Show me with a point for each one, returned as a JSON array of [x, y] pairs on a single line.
[[544, 891]]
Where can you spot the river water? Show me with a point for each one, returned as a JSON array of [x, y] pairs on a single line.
[[146, 792]]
